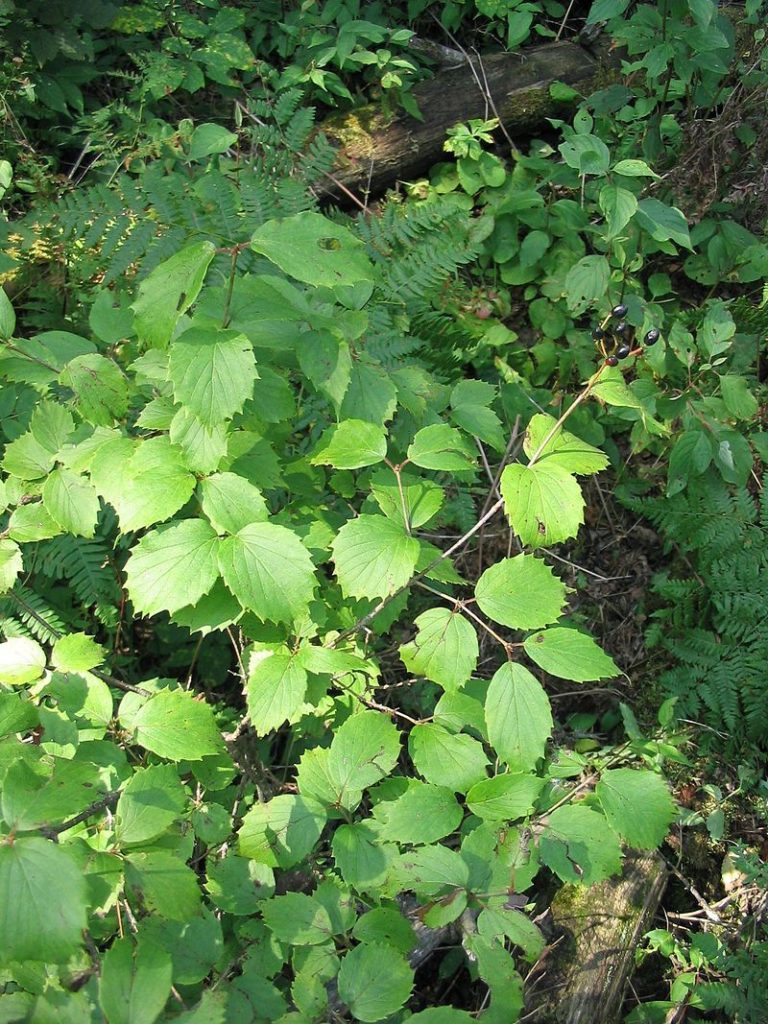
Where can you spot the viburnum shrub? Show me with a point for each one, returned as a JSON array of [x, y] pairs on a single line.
[[231, 791]]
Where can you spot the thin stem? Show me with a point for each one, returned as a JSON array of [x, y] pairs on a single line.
[[584, 394], [90, 810]]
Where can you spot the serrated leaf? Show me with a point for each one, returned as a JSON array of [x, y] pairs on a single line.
[[586, 283], [374, 981], [351, 444], [544, 503], [298, 919], [100, 388], [518, 716], [22, 660], [151, 801], [422, 498], [42, 902], [11, 564], [203, 446], [269, 571], [168, 291], [173, 567], [519, 929], [166, 884], [275, 691], [563, 449], [569, 654], [505, 797], [374, 557], [430, 870], [637, 805], [212, 373], [361, 857], [619, 206], [173, 724], [231, 502], [135, 982], [30, 799], [26, 458], [520, 592], [445, 758], [32, 522], [370, 394], [579, 845], [76, 652], [313, 249], [441, 447], [17, 715], [71, 501], [364, 750], [444, 650], [422, 814], [282, 831]]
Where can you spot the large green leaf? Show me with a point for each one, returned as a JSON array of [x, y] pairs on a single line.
[[445, 758], [42, 902], [22, 660], [422, 814], [351, 444], [165, 883], [569, 654], [269, 571], [519, 717], [30, 800], [662, 222], [298, 919], [444, 650], [313, 249], [374, 981], [152, 799], [374, 557], [579, 845], [439, 446], [173, 567], [505, 797], [520, 592], [586, 283], [173, 724], [544, 503], [212, 372], [364, 750], [562, 448], [169, 291], [101, 390], [11, 564], [282, 831], [135, 982], [71, 501], [231, 502], [637, 805], [413, 500], [361, 857], [275, 690]]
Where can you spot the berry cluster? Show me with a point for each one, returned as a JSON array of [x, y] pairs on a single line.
[[616, 340]]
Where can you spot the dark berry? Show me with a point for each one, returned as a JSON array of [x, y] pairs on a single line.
[[612, 361], [598, 334], [619, 311], [623, 351], [622, 328], [652, 336]]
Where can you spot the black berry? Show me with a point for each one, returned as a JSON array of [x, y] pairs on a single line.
[[612, 361], [619, 311], [598, 334], [623, 351], [622, 328], [652, 336]]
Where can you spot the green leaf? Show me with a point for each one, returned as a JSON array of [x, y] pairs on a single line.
[[215, 610], [374, 981], [31, 799], [519, 929], [422, 498], [172, 567], [739, 400], [619, 206], [422, 814], [313, 249], [231, 502], [361, 857], [444, 650], [11, 564], [17, 715], [27, 458], [544, 503], [384, 924], [370, 395], [351, 444], [203, 446], [637, 805], [22, 660], [520, 592], [327, 362], [275, 690], [166, 884], [443, 448], [31, 522], [282, 831], [212, 372], [173, 724], [364, 750], [209, 139], [76, 652], [374, 557], [144, 483], [663, 223], [586, 283], [298, 919], [579, 845], [100, 388], [72, 502], [269, 571], [634, 169], [169, 291], [569, 654], [505, 797], [134, 982], [445, 758], [519, 717], [7, 315], [42, 902], [151, 801], [586, 154]]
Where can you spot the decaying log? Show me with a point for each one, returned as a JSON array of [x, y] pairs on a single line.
[[373, 152], [583, 977]]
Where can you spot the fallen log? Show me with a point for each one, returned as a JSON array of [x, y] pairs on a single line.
[[582, 978], [373, 151]]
